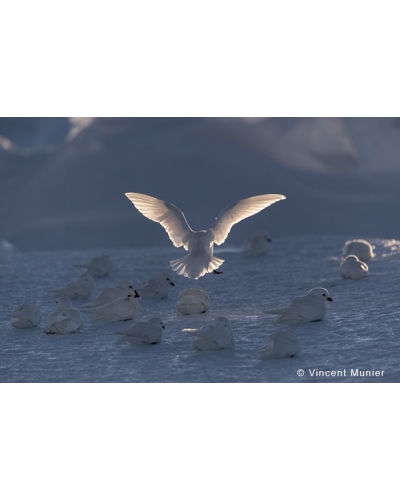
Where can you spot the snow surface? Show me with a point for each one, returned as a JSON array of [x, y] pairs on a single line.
[[361, 328]]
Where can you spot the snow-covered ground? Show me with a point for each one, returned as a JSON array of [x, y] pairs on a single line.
[[361, 329]]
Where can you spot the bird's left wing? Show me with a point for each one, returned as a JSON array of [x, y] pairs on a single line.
[[239, 211], [113, 308], [166, 214], [16, 314], [135, 330]]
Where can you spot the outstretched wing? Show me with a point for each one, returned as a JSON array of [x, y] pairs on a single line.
[[239, 211], [166, 214]]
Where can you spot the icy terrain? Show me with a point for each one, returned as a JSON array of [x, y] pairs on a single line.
[[361, 329]]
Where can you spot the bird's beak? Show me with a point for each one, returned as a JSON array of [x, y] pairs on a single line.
[[330, 300], [269, 240], [173, 284], [163, 327], [136, 294]]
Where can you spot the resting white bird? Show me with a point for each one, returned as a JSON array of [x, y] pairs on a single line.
[[193, 301], [213, 337], [82, 287], [360, 248], [98, 266], [310, 307], [109, 294], [281, 344], [156, 288], [65, 319], [124, 308], [143, 333], [257, 244], [25, 316], [352, 268], [199, 244]]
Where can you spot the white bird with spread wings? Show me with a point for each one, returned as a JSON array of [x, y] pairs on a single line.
[[199, 244]]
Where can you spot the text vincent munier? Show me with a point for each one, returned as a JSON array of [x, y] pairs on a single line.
[[353, 372]]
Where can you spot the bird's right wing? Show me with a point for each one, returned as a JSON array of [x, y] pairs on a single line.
[[239, 211], [166, 214], [109, 308], [74, 314]]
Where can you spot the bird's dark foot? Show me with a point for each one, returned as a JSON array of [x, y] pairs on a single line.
[[217, 272], [49, 333]]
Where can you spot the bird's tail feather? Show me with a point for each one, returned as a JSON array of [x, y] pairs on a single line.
[[193, 268]]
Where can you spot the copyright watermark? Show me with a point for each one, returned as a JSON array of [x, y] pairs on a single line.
[[352, 372]]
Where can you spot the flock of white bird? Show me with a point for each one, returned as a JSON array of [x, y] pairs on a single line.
[[120, 303], [311, 307]]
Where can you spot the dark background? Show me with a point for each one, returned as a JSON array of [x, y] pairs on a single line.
[[62, 180]]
